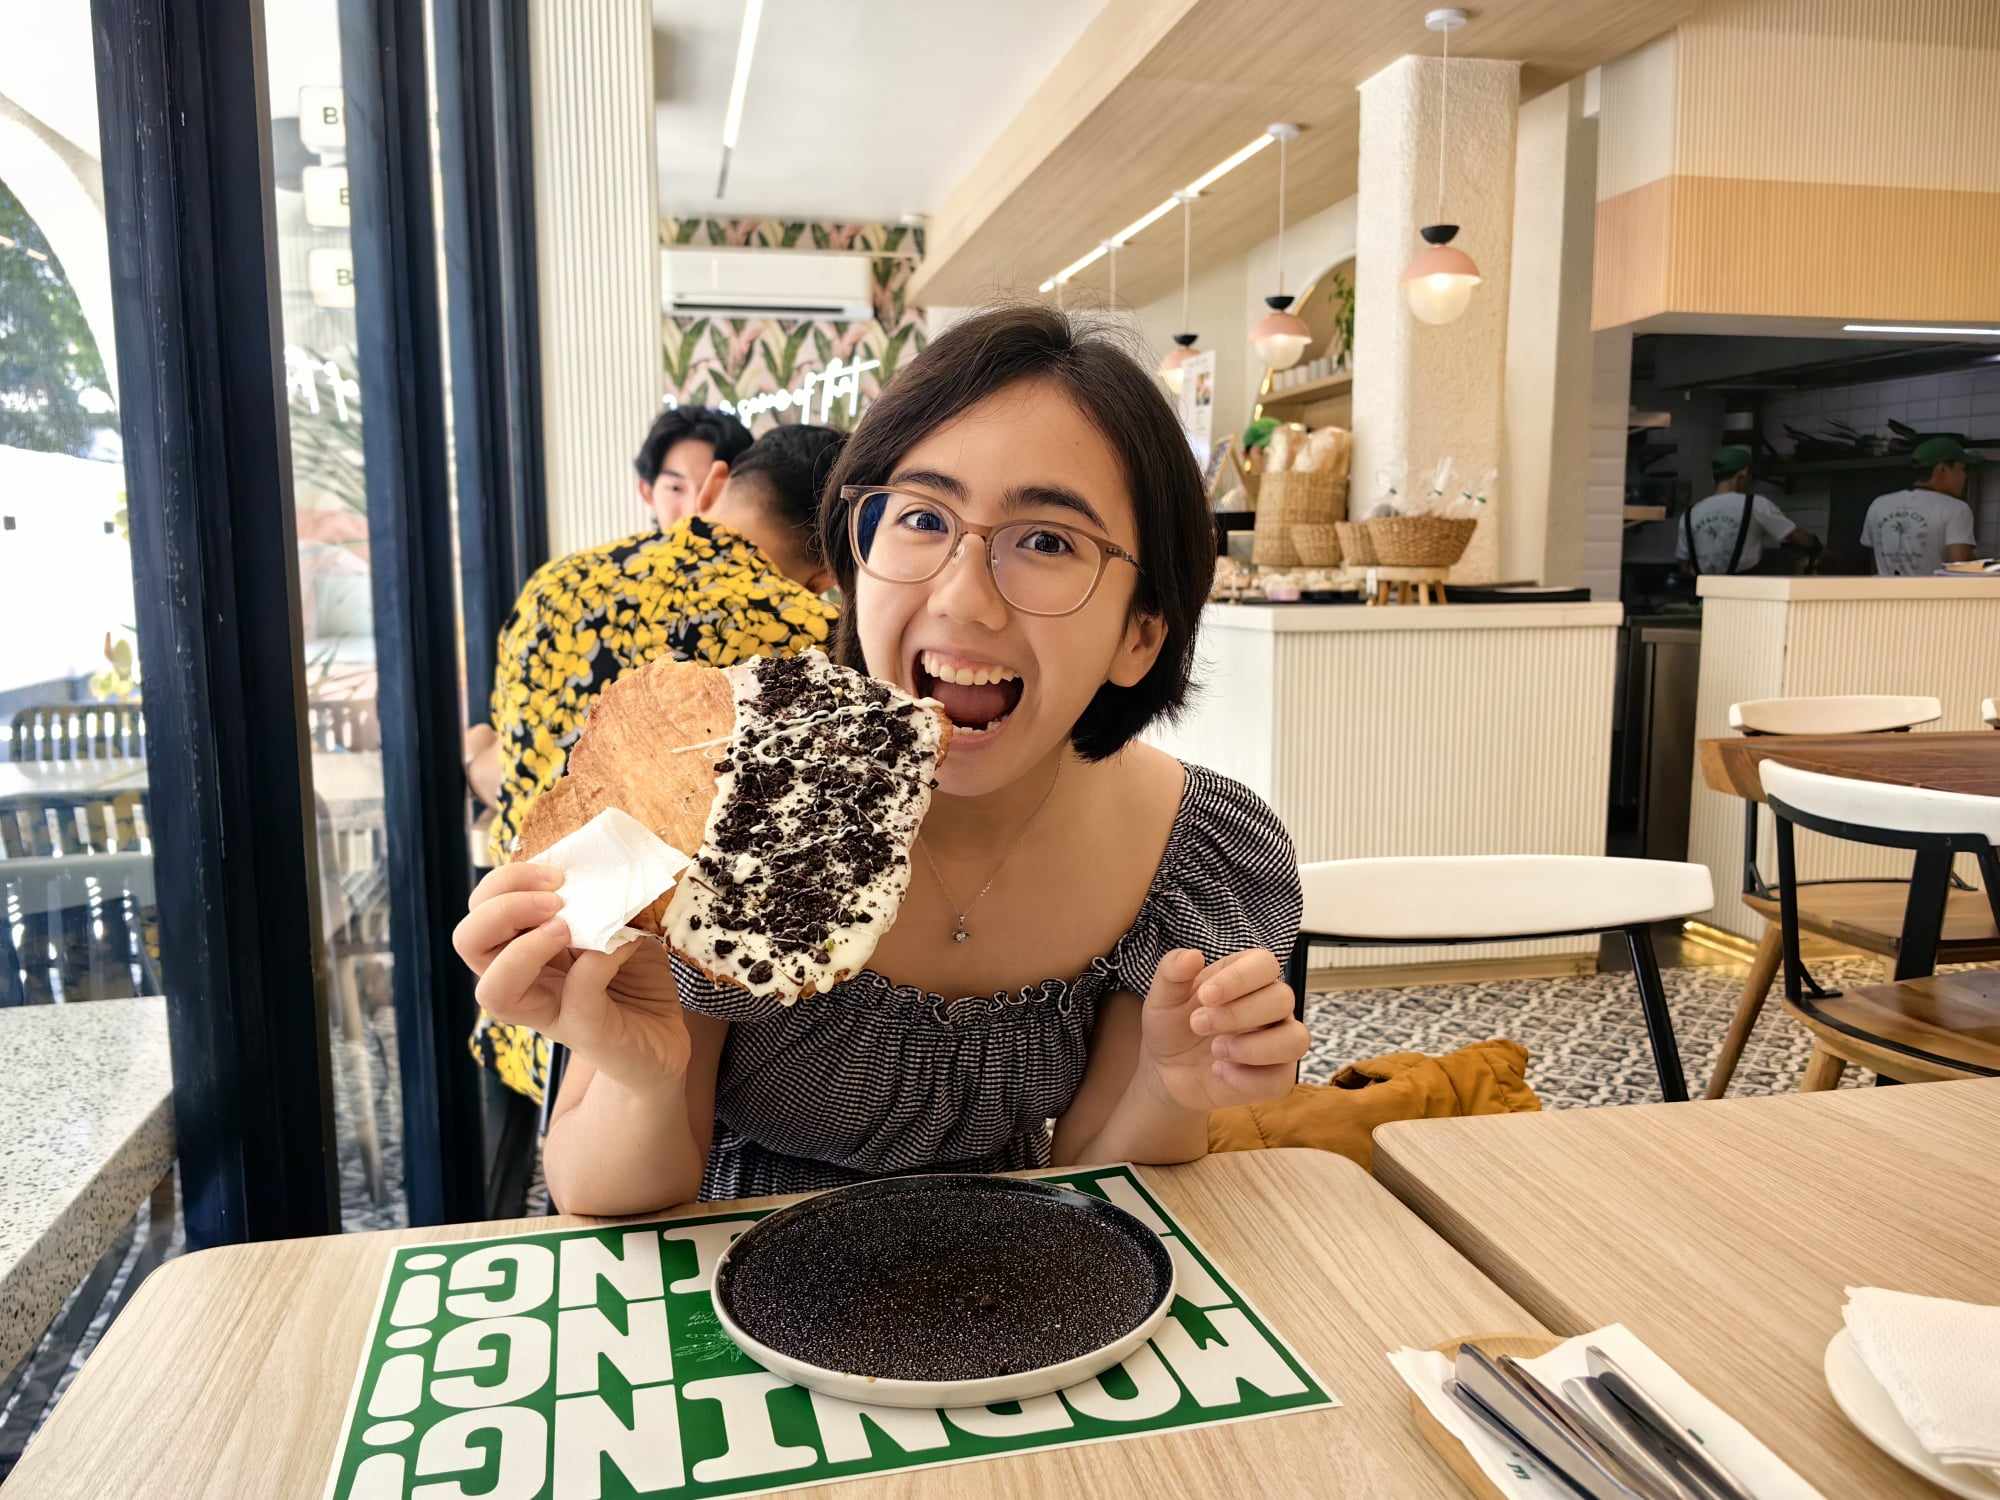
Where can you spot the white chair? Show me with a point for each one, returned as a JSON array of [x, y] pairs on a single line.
[[1924, 1027], [1504, 898], [1990, 712], [1859, 913], [1847, 713]]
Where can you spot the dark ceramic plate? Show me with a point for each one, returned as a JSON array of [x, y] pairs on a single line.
[[944, 1290]]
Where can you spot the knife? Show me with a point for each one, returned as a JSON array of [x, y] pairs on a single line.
[[1584, 1433], [1629, 1438], [1689, 1455], [1521, 1450], [1546, 1435]]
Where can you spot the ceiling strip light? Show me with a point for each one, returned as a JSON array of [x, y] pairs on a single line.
[[732, 122], [1977, 333], [1153, 215], [1222, 169]]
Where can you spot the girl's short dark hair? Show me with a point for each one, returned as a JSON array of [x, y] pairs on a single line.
[[1098, 369]]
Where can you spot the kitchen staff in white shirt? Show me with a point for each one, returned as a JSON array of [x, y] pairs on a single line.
[[1915, 531], [1726, 532]]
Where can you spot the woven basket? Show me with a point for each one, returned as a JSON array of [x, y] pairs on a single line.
[[1286, 500], [1420, 541], [1318, 545], [1357, 547]]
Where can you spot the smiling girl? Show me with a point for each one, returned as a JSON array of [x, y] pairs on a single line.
[[1094, 934]]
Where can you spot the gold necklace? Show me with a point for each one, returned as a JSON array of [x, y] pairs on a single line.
[[959, 933]]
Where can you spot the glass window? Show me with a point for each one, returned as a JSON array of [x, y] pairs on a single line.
[[325, 406], [77, 918]]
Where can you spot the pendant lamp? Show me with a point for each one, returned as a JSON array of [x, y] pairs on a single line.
[[1281, 336], [1439, 280], [1184, 349]]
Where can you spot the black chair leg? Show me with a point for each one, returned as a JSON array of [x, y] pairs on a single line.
[[1923, 915], [1295, 975], [1659, 1020], [552, 1085]]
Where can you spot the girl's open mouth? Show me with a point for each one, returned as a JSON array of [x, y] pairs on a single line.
[[977, 696]]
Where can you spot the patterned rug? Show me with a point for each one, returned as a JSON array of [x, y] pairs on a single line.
[[1585, 1036]]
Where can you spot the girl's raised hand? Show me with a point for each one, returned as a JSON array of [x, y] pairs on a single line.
[[618, 1009], [1223, 1033]]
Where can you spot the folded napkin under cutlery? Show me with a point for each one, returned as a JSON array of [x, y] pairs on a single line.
[[1602, 1415], [614, 867], [1939, 1362]]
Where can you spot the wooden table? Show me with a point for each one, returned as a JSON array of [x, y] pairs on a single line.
[[229, 1372], [86, 1134], [348, 780], [1860, 913], [1943, 762], [1723, 1233], [111, 773]]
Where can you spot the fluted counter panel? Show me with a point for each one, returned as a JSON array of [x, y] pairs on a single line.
[[1467, 729]]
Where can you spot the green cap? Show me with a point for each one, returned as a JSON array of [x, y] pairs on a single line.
[[1731, 460], [1943, 450]]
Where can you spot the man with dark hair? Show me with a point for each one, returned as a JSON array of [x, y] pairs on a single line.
[[674, 459], [1912, 533], [738, 576]]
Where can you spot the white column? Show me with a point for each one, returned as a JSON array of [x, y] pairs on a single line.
[[597, 259], [1543, 522], [1422, 392]]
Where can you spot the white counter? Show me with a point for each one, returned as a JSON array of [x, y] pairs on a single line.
[[1825, 590], [1798, 637], [1457, 729]]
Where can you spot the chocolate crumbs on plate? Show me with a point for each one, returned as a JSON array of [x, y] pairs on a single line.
[[944, 1278]]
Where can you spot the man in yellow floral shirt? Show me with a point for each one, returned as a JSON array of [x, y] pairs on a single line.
[[739, 578]]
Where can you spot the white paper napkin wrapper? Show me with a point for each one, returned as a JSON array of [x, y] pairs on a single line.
[[1519, 1477], [1939, 1362], [614, 867]]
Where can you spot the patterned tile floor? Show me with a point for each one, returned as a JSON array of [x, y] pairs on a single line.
[[1585, 1038]]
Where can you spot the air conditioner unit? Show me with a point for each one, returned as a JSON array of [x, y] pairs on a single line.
[[702, 283]]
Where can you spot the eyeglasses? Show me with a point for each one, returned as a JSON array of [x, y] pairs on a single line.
[[1039, 567]]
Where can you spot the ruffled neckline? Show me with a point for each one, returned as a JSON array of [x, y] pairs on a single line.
[[1061, 993]]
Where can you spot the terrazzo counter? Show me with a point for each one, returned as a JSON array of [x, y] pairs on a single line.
[[86, 1133]]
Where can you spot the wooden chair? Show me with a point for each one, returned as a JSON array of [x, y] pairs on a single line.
[[1918, 1030], [77, 731], [335, 724], [1865, 914], [1506, 898], [354, 900], [78, 916]]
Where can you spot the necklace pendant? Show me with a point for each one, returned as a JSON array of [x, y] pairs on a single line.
[[961, 935]]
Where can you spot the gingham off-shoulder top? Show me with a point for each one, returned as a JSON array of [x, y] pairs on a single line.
[[875, 1078]]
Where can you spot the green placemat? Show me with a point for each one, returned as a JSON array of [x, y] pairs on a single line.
[[589, 1363]]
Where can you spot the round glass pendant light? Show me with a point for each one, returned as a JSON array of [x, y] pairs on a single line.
[[1440, 278], [1184, 349], [1280, 336], [1439, 281]]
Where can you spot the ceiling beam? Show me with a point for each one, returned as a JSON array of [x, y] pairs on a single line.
[[1158, 91]]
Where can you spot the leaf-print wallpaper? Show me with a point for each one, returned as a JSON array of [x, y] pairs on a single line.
[[711, 360]]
